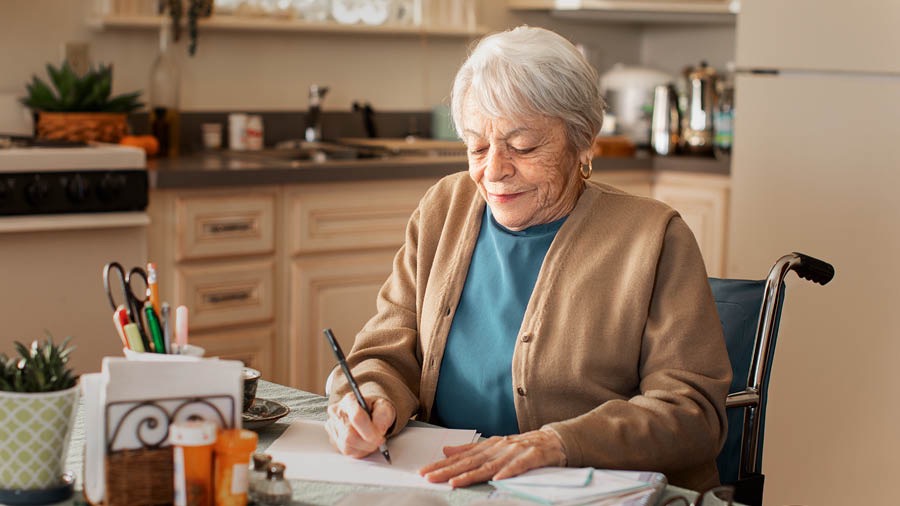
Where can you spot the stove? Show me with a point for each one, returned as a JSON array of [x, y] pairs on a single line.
[[49, 179]]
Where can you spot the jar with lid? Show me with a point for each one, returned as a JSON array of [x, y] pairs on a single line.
[[192, 443], [233, 449], [275, 490], [258, 473]]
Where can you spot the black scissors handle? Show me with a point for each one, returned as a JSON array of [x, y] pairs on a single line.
[[133, 304]]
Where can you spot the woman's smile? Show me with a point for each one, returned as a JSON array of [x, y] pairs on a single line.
[[503, 198]]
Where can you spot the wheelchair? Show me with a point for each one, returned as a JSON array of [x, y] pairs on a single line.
[[750, 312]]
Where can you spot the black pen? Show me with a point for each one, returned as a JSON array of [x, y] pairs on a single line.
[[359, 397]]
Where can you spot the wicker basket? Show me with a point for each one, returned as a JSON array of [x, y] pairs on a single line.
[[82, 126], [139, 477]]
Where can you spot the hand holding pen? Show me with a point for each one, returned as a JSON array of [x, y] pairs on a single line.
[[353, 428]]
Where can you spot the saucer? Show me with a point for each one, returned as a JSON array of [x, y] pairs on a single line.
[[263, 412], [55, 494]]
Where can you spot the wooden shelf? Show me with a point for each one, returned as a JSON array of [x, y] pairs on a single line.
[[245, 24], [641, 11]]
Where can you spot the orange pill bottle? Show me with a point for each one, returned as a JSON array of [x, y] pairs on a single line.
[[192, 443], [232, 451]]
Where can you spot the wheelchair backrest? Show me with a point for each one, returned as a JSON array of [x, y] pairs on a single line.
[[739, 303]]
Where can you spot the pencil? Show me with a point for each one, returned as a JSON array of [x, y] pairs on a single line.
[[336, 348]]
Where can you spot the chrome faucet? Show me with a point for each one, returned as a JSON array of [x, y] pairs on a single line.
[[313, 131]]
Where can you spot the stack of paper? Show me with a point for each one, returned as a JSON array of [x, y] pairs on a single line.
[[308, 455], [570, 487]]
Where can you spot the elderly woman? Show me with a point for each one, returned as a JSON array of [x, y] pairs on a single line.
[[569, 320]]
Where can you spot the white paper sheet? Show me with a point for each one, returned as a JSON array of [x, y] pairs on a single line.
[[305, 450], [536, 485]]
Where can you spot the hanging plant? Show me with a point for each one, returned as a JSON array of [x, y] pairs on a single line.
[[196, 9]]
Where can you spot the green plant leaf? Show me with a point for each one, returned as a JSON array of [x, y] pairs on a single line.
[[124, 103], [40, 96], [68, 92]]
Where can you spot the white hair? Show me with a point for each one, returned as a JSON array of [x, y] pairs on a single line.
[[530, 71]]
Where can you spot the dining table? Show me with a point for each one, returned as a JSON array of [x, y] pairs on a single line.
[[310, 406]]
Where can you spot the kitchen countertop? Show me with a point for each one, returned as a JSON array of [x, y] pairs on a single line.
[[222, 169]]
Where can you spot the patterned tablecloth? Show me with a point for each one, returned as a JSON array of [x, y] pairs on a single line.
[[311, 406]]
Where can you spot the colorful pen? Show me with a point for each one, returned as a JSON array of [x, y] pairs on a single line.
[[153, 287], [120, 319], [134, 337], [336, 348], [155, 330], [181, 327], [166, 316]]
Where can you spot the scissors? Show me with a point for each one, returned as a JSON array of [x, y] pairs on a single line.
[[132, 302]]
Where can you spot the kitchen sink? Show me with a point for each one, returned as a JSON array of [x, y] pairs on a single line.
[[353, 149]]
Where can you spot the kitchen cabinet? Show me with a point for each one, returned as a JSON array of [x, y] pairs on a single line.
[[702, 200], [640, 11], [341, 241], [215, 254]]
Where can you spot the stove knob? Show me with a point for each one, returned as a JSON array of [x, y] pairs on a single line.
[[78, 189], [37, 191], [111, 187]]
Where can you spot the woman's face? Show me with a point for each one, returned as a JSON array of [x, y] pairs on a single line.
[[526, 170]]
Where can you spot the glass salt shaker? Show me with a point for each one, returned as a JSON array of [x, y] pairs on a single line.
[[274, 490], [258, 473]]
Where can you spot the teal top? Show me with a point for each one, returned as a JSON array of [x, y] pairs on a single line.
[[474, 389]]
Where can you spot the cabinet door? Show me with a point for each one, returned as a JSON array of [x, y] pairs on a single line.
[[702, 201], [251, 346], [829, 35], [336, 291]]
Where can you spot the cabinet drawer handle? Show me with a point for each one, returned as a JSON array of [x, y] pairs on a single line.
[[229, 227], [239, 295]]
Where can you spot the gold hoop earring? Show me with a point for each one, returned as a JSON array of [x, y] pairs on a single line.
[[587, 175]]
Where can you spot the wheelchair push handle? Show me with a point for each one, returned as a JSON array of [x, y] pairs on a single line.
[[813, 269]]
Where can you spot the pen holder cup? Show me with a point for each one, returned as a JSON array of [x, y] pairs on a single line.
[[188, 353], [139, 477]]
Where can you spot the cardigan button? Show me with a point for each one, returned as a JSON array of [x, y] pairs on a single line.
[[526, 338], [521, 391]]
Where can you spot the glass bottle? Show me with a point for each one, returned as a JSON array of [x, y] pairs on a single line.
[[723, 115], [258, 474], [164, 96], [275, 490]]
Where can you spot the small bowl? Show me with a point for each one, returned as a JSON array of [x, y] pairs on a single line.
[[251, 380]]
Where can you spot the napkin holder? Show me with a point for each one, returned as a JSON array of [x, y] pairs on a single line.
[[144, 475], [130, 408]]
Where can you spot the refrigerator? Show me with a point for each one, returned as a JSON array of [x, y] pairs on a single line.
[[816, 169]]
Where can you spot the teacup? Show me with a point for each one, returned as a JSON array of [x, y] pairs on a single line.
[[251, 380]]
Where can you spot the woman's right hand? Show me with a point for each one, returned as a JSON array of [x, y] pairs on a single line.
[[352, 431]]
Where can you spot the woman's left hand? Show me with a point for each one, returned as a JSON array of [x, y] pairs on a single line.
[[496, 458]]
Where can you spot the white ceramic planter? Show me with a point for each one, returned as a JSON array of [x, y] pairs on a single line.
[[34, 437]]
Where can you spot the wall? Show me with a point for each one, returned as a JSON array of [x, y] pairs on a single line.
[[672, 47]]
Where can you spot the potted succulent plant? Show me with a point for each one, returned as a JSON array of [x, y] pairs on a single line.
[[38, 399], [80, 108]]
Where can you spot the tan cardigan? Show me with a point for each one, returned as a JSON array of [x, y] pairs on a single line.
[[620, 350]]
